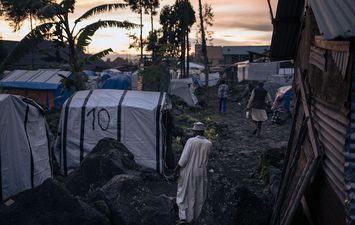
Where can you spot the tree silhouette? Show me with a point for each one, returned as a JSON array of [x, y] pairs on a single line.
[[176, 23], [203, 42], [17, 11], [57, 28]]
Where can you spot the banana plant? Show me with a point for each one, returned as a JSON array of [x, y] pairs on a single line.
[[75, 40]]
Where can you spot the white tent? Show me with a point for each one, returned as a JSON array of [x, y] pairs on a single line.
[[184, 89], [132, 117], [24, 152], [193, 65]]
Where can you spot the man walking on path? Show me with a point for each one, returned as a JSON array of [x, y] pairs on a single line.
[[192, 182], [223, 95], [257, 103]]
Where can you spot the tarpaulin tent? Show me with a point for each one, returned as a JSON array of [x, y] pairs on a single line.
[[119, 82], [24, 151], [132, 117], [283, 98], [42, 85], [184, 89]]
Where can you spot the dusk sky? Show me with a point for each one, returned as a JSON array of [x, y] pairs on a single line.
[[236, 22]]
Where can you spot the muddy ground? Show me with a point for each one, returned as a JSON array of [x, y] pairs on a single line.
[[109, 188], [239, 188]]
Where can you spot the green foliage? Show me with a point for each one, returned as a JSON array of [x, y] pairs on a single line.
[[100, 9], [176, 22], [211, 134], [59, 31], [208, 17], [85, 34], [152, 76]]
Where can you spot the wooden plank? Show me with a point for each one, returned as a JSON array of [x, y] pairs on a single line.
[[343, 46]]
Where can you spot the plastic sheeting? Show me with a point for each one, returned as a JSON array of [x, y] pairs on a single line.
[[24, 153], [184, 89], [119, 82], [134, 118]]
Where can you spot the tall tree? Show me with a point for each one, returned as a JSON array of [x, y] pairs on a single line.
[[152, 6], [58, 29], [17, 11], [146, 7], [186, 18], [176, 23], [203, 42], [208, 17], [138, 7]]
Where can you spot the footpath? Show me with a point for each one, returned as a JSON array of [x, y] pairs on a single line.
[[243, 169]]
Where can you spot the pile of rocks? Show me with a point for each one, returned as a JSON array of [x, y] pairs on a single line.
[[108, 188]]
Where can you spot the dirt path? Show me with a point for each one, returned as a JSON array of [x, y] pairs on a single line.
[[234, 160]]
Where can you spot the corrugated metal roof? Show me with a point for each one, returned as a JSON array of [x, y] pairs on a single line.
[[40, 76], [35, 79], [287, 25], [335, 18], [244, 50]]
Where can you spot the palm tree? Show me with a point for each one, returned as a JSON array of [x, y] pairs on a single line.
[[59, 30]]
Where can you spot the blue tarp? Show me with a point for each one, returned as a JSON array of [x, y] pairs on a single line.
[[119, 82], [29, 85]]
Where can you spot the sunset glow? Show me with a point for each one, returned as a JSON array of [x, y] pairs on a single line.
[[236, 22]]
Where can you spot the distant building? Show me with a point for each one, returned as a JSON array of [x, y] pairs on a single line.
[[214, 53], [234, 54]]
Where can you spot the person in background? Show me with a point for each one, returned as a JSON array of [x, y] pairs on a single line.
[[192, 171], [222, 96], [257, 104]]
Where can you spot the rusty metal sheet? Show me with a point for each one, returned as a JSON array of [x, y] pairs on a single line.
[[301, 162], [318, 58]]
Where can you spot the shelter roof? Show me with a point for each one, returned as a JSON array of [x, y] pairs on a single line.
[[335, 19], [43, 79]]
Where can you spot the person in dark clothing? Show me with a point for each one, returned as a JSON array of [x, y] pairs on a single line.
[[257, 104], [222, 96]]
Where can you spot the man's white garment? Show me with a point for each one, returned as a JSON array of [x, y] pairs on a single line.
[[192, 183]]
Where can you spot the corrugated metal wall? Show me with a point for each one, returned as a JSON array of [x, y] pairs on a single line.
[[350, 154], [331, 125]]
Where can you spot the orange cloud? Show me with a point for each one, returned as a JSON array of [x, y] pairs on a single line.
[[239, 22]]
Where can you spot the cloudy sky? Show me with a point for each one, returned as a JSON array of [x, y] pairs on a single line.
[[236, 22]]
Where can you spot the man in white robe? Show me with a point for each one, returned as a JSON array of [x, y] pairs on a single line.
[[192, 182]]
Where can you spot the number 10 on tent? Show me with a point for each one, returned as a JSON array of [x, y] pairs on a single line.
[[102, 117]]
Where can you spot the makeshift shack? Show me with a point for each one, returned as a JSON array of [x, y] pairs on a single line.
[[24, 150], [135, 118], [317, 183], [264, 71], [42, 85]]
